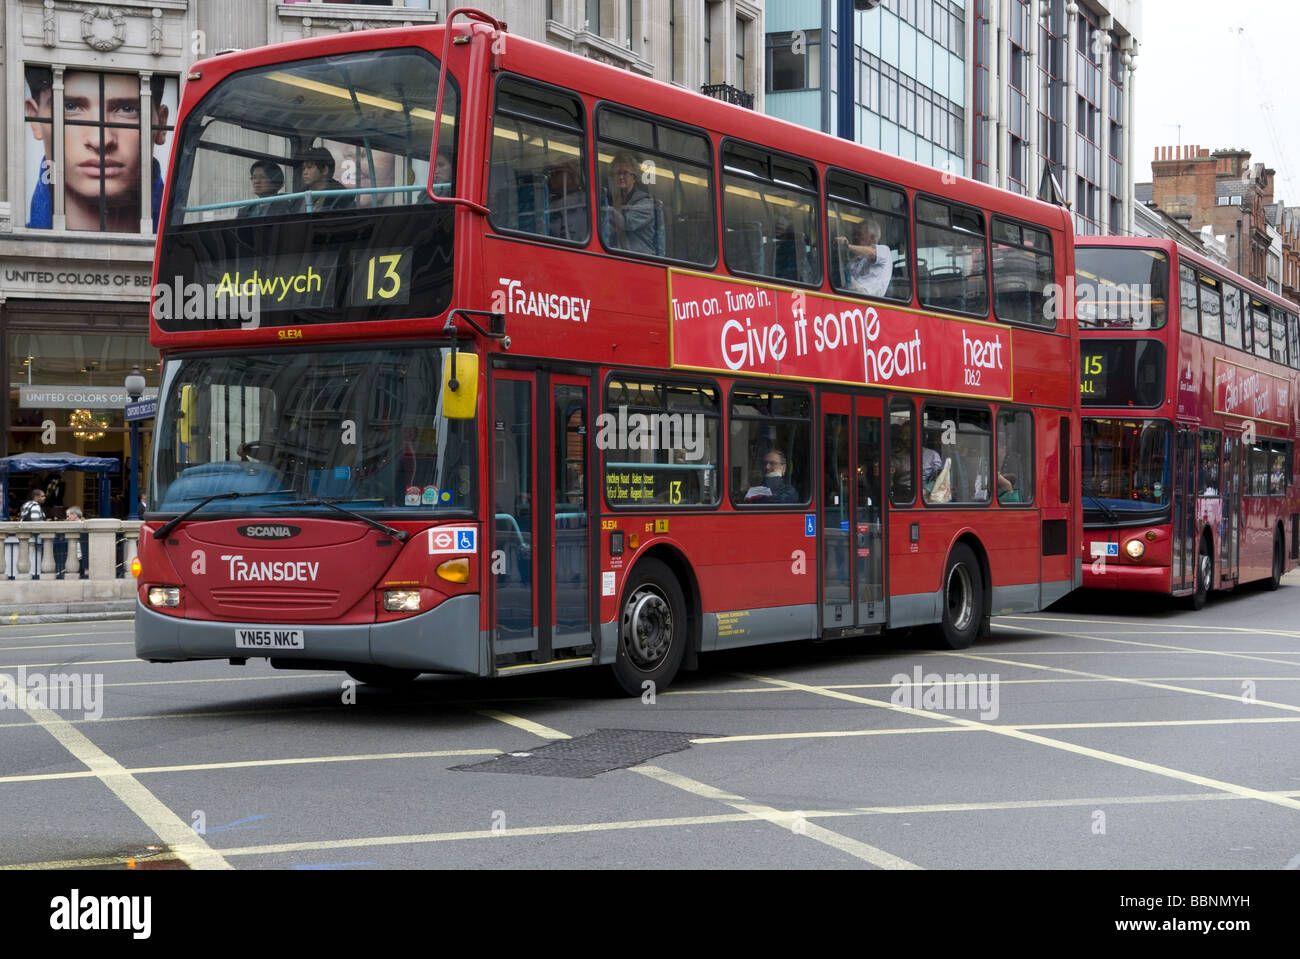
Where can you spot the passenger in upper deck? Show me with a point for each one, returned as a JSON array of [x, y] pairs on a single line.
[[444, 172], [628, 212], [870, 263], [316, 166], [267, 180]]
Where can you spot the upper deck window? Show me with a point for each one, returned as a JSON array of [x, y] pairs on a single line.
[[1211, 308], [951, 264], [1259, 314], [1187, 299], [870, 251], [1232, 316], [1023, 274], [539, 167], [301, 197], [1279, 335], [1121, 288], [656, 190], [347, 132], [769, 214]]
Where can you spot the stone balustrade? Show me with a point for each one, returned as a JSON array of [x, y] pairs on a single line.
[[49, 562]]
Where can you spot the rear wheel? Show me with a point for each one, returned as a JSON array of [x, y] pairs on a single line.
[[383, 676], [963, 599], [1276, 579], [1204, 575], [652, 629]]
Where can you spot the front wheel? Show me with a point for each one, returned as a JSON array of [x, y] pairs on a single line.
[[963, 599], [1204, 576], [1275, 579], [652, 629]]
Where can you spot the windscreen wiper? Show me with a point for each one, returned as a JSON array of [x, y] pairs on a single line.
[[1110, 514], [171, 524], [398, 534]]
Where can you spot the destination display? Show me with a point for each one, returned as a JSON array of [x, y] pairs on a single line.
[[1128, 372], [730, 326], [391, 265]]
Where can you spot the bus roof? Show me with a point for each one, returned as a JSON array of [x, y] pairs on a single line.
[[534, 59]]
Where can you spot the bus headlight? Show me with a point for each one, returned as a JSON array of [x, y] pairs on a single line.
[[1135, 548], [164, 596], [402, 600]]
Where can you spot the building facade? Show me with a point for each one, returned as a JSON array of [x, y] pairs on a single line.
[[90, 96], [1011, 92], [1224, 190]]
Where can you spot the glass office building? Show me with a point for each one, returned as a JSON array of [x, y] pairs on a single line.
[[1002, 91]]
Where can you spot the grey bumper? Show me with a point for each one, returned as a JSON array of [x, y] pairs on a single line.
[[446, 639]]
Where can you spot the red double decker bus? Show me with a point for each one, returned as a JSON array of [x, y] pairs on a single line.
[[506, 360], [1188, 385]]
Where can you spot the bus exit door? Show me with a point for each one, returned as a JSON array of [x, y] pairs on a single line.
[[852, 515], [539, 539], [1185, 541]]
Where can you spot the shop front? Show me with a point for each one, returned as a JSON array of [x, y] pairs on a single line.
[[69, 337]]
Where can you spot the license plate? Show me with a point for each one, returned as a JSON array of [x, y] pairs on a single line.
[[269, 639]]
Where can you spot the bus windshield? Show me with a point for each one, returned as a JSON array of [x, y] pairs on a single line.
[[1126, 467], [339, 133], [360, 427], [1120, 288]]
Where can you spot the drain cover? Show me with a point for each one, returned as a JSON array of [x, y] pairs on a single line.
[[587, 756]]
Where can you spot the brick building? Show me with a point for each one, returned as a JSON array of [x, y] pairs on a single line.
[[1221, 188], [1286, 220]]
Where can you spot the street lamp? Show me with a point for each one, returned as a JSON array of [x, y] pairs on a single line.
[[134, 389]]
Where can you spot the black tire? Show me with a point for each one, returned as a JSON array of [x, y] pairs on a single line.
[[383, 676], [963, 599], [1279, 562], [1204, 572], [653, 629]]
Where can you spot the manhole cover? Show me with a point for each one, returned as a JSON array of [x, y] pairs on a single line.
[[587, 756]]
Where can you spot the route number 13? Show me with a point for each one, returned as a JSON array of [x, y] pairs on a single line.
[[381, 278]]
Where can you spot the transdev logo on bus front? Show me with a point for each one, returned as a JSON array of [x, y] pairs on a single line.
[[453, 539], [730, 326]]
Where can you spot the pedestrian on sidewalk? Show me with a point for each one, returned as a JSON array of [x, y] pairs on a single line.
[[32, 512]]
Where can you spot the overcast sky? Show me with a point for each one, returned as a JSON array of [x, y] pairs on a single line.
[[1214, 74]]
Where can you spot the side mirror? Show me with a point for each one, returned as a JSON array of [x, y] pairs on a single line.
[[460, 401]]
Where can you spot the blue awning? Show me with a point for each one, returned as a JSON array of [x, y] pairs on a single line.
[[53, 462]]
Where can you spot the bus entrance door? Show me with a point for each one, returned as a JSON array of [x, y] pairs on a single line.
[[539, 553], [852, 538], [1230, 489]]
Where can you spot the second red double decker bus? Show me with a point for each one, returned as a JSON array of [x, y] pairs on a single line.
[[1188, 379], [570, 367]]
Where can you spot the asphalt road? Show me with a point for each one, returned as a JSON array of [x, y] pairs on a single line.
[[1099, 735]]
